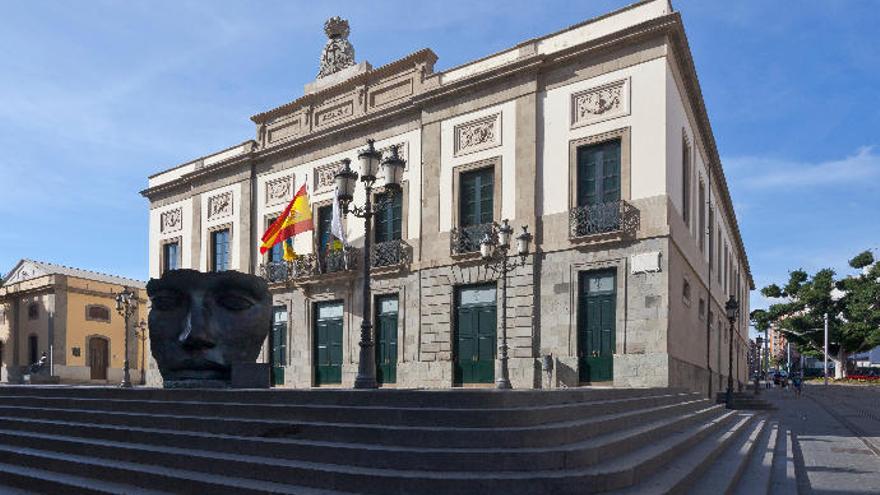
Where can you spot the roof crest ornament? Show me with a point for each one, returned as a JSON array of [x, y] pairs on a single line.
[[338, 53]]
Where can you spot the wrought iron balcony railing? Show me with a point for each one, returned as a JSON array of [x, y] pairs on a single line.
[[389, 253], [309, 265], [467, 239], [602, 218]]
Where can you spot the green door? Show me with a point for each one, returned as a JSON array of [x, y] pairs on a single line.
[[328, 343], [386, 339], [475, 334], [279, 344], [596, 326]]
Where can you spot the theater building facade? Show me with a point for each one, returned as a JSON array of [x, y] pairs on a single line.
[[596, 137]]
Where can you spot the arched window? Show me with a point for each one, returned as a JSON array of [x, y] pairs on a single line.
[[33, 311], [96, 312]]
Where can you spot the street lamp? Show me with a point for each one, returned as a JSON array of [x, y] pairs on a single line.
[[126, 305], [732, 310], [141, 333], [346, 178], [493, 250]]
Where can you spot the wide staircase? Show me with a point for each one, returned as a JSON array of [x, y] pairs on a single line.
[[56, 440]]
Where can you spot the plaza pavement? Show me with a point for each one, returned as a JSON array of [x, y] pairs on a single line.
[[836, 434]]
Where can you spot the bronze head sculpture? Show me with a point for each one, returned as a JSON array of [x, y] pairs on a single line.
[[203, 323]]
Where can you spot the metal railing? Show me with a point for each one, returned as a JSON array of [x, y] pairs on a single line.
[[601, 218], [389, 253], [309, 265], [467, 239]]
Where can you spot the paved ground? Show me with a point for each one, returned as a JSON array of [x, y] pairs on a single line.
[[837, 432]]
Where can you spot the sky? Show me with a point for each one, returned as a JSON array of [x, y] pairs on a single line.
[[97, 95]]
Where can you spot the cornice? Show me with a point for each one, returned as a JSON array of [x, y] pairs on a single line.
[[425, 55]]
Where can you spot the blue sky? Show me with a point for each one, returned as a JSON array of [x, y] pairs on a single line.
[[95, 96]]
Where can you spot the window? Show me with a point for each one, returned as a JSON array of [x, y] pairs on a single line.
[[96, 312], [33, 311], [718, 259], [277, 251], [220, 250], [476, 205], [170, 256], [686, 292], [702, 308], [325, 237], [702, 222], [686, 181], [598, 173], [390, 220]]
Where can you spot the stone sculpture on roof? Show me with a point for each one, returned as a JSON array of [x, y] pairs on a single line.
[[338, 53]]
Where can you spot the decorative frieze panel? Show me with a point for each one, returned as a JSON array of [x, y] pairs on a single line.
[[477, 135], [600, 103], [325, 176], [391, 93], [220, 205], [332, 114], [285, 130], [279, 190], [171, 221]]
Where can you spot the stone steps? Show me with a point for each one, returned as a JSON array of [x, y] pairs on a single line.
[[53, 440], [405, 416]]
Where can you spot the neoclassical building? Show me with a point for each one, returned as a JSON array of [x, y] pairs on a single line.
[[69, 314], [596, 137]]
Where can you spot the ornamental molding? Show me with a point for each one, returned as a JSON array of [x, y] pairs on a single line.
[[600, 103], [334, 113], [477, 135], [338, 53], [279, 190], [171, 220], [220, 205], [325, 176]]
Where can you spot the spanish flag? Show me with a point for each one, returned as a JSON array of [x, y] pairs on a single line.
[[296, 218]]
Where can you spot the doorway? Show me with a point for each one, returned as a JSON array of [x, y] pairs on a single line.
[[596, 326], [475, 331], [386, 339], [98, 357]]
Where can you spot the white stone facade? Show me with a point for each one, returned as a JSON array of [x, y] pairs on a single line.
[[524, 113]]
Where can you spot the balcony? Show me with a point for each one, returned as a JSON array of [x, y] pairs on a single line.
[[389, 254], [309, 266], [466, 240], [615, 217]]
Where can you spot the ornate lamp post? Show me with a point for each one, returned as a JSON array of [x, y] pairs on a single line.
[[346, 180], [732, 310], [126, 305], [494, 250], [141, 333]]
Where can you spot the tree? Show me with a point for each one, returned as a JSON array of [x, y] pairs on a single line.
[[852, 304]]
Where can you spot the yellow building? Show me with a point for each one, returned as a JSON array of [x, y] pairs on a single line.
[[70, 315]]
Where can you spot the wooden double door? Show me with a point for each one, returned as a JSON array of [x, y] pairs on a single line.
[[327, 352], [386, 339], [475, 334], [596, 326]]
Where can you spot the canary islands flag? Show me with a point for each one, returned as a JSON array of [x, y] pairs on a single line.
[[296, 218]]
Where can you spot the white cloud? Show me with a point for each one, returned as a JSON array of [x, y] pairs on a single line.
[[757, 172]]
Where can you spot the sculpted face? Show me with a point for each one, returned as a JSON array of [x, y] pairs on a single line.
[[202, 323]]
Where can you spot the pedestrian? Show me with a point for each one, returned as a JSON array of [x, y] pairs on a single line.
[[797, 381]]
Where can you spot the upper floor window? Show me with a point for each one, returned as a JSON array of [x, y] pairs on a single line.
[[325, 231], [476, 205], [686, 182], [389, 221], [170, 256], [277, 251], [33, 311], [220, 250], [598, 173], [701, 235], [97, 312]]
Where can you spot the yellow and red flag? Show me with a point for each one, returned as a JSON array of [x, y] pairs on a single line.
[[296, 218]]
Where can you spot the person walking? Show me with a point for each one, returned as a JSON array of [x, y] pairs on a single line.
[[797, 382]]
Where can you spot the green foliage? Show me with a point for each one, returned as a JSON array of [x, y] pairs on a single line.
[[854, 318]]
